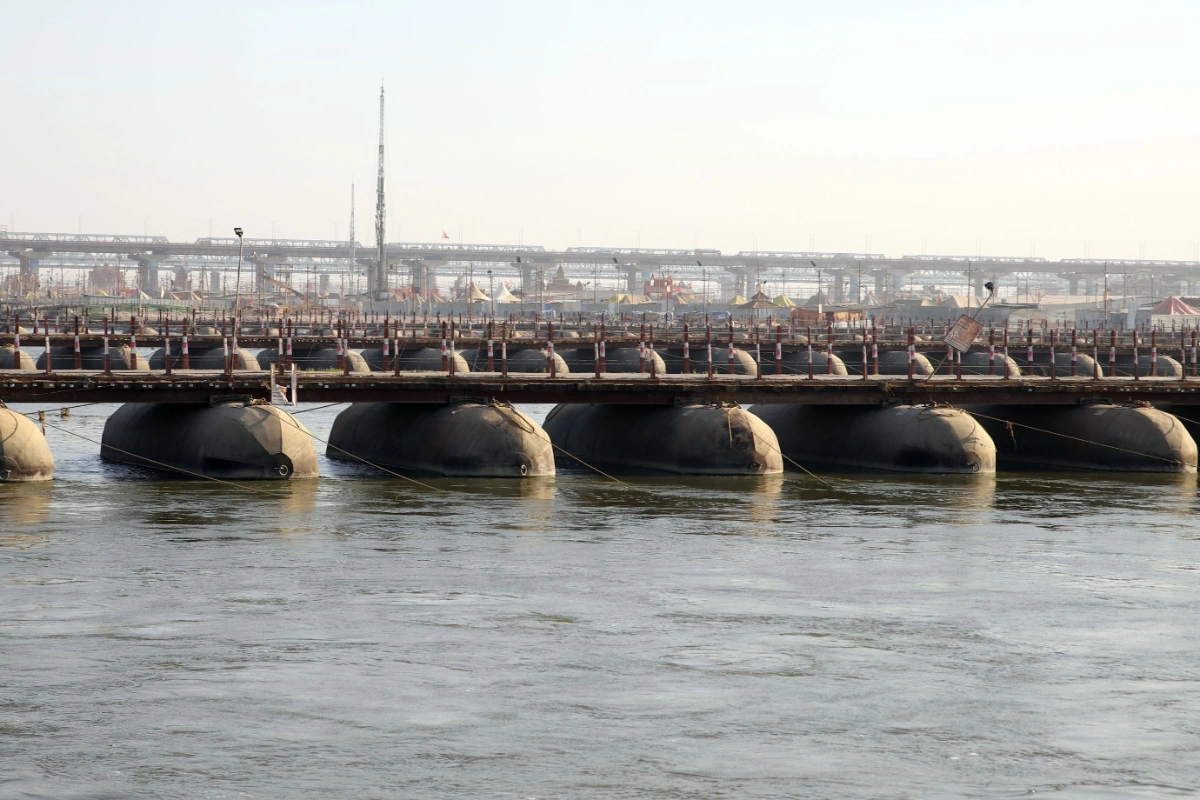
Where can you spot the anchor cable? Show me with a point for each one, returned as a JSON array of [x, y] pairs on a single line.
[[164, 465], [520, 423], [302, 429], [1011, 424]]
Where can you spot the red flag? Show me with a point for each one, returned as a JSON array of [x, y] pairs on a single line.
[[445, 235]]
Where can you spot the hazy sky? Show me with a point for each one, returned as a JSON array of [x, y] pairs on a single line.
[[956, 127]]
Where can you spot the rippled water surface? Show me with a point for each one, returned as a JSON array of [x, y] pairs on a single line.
[[359, 636]]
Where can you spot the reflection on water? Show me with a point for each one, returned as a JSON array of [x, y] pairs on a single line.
[[25, 505], [576, 636]]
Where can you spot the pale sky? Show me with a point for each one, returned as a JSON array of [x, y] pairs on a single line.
[[954, 127]]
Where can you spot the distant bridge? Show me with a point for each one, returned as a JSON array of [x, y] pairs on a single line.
[[421, 260]]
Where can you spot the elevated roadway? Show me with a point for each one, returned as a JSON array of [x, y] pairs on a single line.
[[650, 258], [634, 263]]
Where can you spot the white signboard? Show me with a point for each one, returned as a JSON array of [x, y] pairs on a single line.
[[962, 335]]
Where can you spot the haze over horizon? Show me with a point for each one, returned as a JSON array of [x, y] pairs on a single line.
[[1057, 129]]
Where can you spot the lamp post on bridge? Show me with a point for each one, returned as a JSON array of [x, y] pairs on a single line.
[[818, 269], [237, 289]]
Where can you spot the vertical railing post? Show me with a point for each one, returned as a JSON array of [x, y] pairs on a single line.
[[1112, 353], [829, 348], [1029, 345], [445, 353], [1053, 357], [708, 338], [757, 353], [1193, 353], [1007, 368], [875, 350], [1074, 352], [778, 349], [992, 350], [491, 345], [687, 351], [78, 352], [1154, 353], [642, 350], [603, 364], [504, 350], [912, 352], [731, 370], [810, 353], [1136, 367], [864, 352]]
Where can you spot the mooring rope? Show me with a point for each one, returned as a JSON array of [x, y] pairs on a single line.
[[1012, 424], [379, 467], [165, 465], [318, 408], [800, 466], [520, 423], [42, 411]]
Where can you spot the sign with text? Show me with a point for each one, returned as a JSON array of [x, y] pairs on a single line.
[[962, 335]]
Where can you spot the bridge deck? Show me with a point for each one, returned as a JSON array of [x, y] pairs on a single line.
[[69, 386], [674, 341]]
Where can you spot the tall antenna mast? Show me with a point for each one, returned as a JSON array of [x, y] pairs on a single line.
[[353, 263], [379, 285]]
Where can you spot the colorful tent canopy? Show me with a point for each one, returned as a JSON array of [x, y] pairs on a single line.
[[1175, 307]]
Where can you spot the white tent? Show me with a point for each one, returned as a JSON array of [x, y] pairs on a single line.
[[505, 296]]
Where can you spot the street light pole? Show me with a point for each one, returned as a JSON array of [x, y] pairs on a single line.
[[237, 289], [491, 294], [818, 269]]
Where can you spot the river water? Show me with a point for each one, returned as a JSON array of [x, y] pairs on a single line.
[[361, 636]]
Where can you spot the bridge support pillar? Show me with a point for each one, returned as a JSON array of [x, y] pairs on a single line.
[[634, 282], [837, 288], [743, 280], [527, 279], [148, 265], [265, 267], [422, 277], [1073, 285], [27, 279]]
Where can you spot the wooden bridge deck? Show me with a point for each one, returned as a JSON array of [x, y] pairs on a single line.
[[195, 386]]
